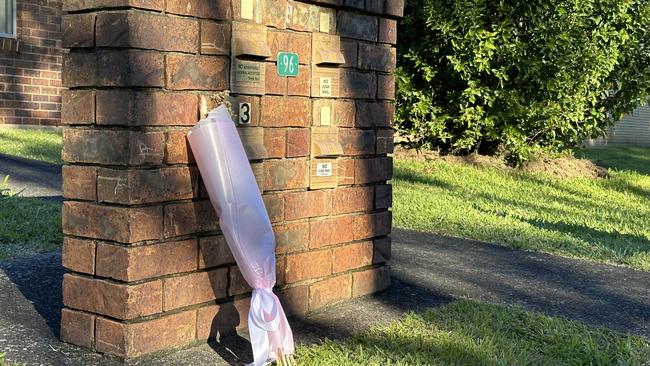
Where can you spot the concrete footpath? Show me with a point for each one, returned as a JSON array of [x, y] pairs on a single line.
[[428, 271], [30, 177]]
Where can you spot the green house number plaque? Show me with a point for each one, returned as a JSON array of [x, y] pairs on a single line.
[[288, 64]]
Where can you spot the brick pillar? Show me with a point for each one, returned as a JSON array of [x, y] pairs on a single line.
[[148, 268]]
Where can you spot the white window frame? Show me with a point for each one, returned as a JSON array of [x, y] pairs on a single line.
[[14, 15]]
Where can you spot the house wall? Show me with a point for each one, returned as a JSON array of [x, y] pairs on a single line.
[[30, 66], [632, 130]]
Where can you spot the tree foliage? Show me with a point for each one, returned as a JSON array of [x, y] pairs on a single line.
[[519, 76]]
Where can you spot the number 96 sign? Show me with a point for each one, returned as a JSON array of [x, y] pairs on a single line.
[[288, 64]]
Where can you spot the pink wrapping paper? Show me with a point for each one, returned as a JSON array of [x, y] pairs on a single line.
[[234, 193]]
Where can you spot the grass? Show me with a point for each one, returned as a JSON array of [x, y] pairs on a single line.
[[635, 159], [472, 333], [4, 362], [42, 145], [604, 220], [29, 225]]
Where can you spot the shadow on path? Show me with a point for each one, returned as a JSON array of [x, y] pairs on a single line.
[[34, 178], [427, 271]]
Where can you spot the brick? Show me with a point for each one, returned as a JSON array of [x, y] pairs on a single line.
[[300, 43], [386, 87], [275, 141], [197, 72], [278, 41], [302, 17], [221, 320], [331, 231], [285, 112], [113, 68], [214, 252], [142, 30], [215, 38], [238, 285], [330, 291], [189, 218], [358, 85], [79, 182], [125, 108], [300, 205], [385, 141], [357, 26], [375, 6], [131, 187], [372, 225], [370, 281], [78, 107], [377, 57], [375, 114], [78, 255], [357, 142], [353, 199], [275, 84], [78, 30], [383, 196], [298, 142], [295, 300], [177, 148], [195, 288], [115, 300], [291, 237], [75, 5], [112, 147], [395, 8], [352, 256], [286, 174], [387, 30], [143, 262], [212, 9], [121, 224], [309, 265], [77, 328], [300, 85], [275, 13], [373, 170], [137, 339], [357, 4], [346, 171], [382, 252], [274, 204], [350, 50]]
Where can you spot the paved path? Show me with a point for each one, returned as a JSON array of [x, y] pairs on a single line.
[[428, 271], [33, 178]]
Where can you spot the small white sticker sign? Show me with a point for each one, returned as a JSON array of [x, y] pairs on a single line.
[[325, 87], [325, 22], [245, 113], [325, 115], [324, 170], [247, 9]]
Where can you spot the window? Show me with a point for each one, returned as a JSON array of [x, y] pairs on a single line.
[[7, 18]]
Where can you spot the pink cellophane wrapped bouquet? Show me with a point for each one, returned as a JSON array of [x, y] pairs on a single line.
[[234, 193]]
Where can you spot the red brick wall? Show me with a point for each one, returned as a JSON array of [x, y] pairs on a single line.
[[30, 66], [142, 242]]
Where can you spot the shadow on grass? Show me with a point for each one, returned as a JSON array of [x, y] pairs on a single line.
[[636, 159], [32, 144]]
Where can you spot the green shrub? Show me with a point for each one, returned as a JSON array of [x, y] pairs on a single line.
[[519, 76]]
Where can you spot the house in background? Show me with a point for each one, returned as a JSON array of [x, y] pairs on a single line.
[[632, 130], [30, 62]]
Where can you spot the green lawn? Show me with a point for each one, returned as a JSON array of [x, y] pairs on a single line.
[[635, 159], [4, 362], [472, 333], [29, 226], [43, 145], [604, 220]]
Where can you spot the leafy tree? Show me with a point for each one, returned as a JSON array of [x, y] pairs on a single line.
[[517, 77]]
